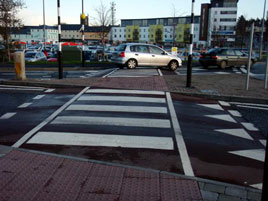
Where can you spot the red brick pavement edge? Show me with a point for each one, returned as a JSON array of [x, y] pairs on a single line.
[[27, 176]]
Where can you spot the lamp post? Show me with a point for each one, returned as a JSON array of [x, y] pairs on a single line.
[[262, 29], [60, 70], [83, 18], [190, 57], [44, 28]]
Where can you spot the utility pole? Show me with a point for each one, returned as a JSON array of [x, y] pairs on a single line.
[[190, 56], [59, 51], [83, 18], [113, 12], [249, 54], [44, 28], [262, 29]]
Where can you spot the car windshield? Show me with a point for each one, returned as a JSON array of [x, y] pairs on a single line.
[[30, 55], [121, 47]]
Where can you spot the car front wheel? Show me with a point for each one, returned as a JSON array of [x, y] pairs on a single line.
[[223, 64], [173, 65], [131, 64]]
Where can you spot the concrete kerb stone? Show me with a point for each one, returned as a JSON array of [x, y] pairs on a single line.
[[4, 150]]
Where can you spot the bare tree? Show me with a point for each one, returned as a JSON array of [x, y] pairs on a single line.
[[9, 19], [103, 19]]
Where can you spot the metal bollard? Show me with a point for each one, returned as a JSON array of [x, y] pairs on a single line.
[[19, 62]]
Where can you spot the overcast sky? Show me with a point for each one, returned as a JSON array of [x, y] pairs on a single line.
[[125, 9]]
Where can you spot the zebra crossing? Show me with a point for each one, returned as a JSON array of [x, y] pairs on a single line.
[[210, 71]]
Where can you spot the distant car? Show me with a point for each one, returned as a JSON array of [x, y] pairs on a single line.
[[184, 55], [138, 54], [224, 57], [35, 56]]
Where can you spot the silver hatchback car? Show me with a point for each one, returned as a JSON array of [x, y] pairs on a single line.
[[138, 54]]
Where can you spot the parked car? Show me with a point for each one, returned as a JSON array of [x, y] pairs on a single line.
[[35, 56], [224, 57], [138, 54]]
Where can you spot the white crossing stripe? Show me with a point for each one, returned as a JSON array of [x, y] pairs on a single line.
[[224, 117], [7, 115], [122, 99], [109, 91], [253, 107], [113, 121], [255, 154], [84, 139], [24, 105], [38, 97], [249, 126], [212, 106], [115, 108], [49, 90], [258, 186], [250, 104], [235, 113], [223, 103], [236, 132], [263, 142]]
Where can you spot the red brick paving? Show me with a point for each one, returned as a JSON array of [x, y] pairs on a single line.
[[36, 177]]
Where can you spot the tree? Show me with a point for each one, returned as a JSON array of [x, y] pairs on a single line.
[[159, 36], [241, 30], [9, 19], [103, 19]]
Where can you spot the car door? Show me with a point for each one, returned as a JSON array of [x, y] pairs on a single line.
[[142, 55], [231, 57], [242, 58], [158, 56]]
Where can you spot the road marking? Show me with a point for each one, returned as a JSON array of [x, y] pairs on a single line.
[[186, 163], [252, 107], [24, 105], [263, 142], [224, 117], [122, 99], [8, 115], [38, 97], [113, 121], [160, 73], [236, 132], [49, 90], [222, 73], [255, 154], [110, 73], [36, 88], [47, 120], [223, 103], [249, 126], [115, 108], [250, 104], [212, 106], [235, 113], [84, 139], [115, 91], [258, 186]]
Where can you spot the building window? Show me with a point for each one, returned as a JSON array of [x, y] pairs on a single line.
[[228, 20], [215, 20], [115, 36]]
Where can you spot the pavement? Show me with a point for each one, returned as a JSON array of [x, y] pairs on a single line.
[[31, 175]]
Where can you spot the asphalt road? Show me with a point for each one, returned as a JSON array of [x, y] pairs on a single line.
[[191, 136]]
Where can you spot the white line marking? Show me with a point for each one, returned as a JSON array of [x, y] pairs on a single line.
[[115, 108], [160, 73], [250, 104], [249, 126], [113, 121], [122, 98], [224, 117], [212, 106], [20, 89], [186, 163], [110, 73], [8, 115], [258, 186], [38, 97], [11, 86], [263, 142], [235, 113], [222, 73], [115, 91], [236, 132], [255, 154], [83, 139], [252, 107], [47, 120], [24, 105], [49, 90], [223, 103]]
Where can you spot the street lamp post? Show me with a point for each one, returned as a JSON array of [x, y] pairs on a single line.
[[44, 28], [262, 29], [60, 70], [190, 56], [83, 17]]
